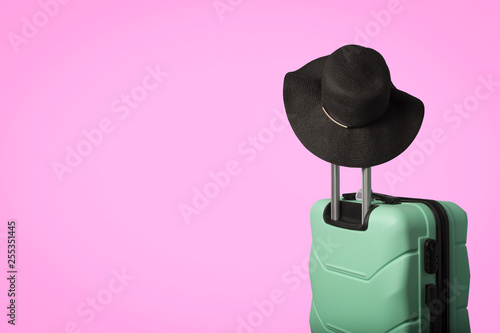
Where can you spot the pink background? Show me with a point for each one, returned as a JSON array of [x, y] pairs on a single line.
[[119, 208]]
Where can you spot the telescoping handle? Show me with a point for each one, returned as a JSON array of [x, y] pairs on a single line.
[[366, 189]]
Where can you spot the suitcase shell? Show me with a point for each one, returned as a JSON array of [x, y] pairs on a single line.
[[374, 280]]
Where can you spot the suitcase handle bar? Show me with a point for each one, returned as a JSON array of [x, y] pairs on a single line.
[[366, 187]]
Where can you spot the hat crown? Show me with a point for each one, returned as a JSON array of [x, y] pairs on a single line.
[[355, 85]]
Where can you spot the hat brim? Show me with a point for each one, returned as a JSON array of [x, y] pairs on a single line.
[[367, 146]]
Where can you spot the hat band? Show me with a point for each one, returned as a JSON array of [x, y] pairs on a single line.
[[336, 122], [345, 126]]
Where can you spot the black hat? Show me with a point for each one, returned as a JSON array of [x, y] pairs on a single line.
[[345, 109]]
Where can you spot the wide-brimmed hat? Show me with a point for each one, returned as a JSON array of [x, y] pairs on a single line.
[[345, 109]]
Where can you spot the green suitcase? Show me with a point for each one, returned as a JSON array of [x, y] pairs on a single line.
[[402, 268]]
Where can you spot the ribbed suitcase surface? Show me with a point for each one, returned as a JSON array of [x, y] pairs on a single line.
[[380, 279]]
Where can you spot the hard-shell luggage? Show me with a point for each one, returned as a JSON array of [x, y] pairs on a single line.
[[403, 267]]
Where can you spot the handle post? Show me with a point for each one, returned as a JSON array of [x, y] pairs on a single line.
[[335, 207], [367, 190]]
